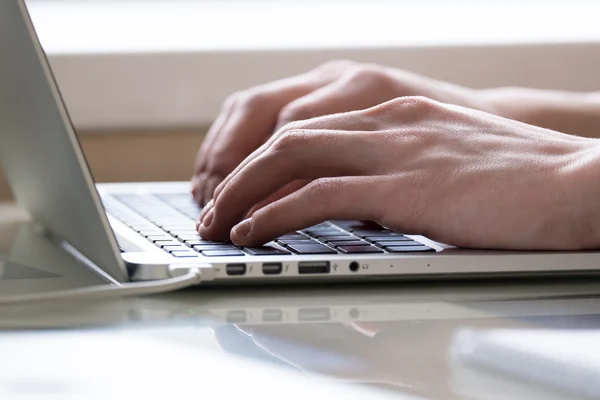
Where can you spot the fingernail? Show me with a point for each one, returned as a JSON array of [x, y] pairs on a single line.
[[208, 218], [243, 228], [206, 209]]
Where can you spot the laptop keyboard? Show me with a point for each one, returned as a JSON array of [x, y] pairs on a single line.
[[169, 222]]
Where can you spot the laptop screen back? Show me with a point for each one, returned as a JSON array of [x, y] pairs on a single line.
[[39, 150]]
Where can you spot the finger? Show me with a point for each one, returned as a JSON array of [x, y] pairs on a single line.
[[298, 155], [350, 121], [281, 193], [252, 116], [205, 210], [197, 187], [343, 95], [212, 133], [321, 200], [379, 117], [209, 187]]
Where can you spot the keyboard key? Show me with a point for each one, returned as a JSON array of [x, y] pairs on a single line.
[[148, 233], [184, 254], [185, 238], [190, 230], [340, 238], [399, 243], [300, 241], [319, 228], [203, 247], [322, 232], [188, 234], [195, 242], [179, 228], [378, 239], [182, 202], [311, 248], [349, 243], [359, 249], [178, 247], [334, 235], [169, 221], [265, 251], [161, 213], [163, 243], [375, 232], [141, 227], [407, 249], [158, 238], [222, 253], [293, 236]]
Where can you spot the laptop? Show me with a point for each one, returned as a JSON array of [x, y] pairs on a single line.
[[138, 231]]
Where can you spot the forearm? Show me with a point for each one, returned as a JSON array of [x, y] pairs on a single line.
[[567, 112]]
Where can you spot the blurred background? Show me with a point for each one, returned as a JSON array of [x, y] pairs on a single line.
[[143, 79]]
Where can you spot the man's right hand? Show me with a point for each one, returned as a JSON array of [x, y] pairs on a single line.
[[249, 118]]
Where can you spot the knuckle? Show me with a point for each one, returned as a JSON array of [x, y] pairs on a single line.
[[252, 99], [291, 113], [366, 74], [418, 102], [290, 140], [233, 99], [323, 191], [416, 105], [289, 126]]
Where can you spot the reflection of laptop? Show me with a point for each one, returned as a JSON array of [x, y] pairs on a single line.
[[152, 226]]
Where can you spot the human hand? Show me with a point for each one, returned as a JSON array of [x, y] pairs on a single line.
[[457, 175], [250, 117]]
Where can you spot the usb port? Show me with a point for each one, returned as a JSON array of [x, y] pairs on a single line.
[[313, 267], [236, 316], [235, 269], [272, 315], [271, 268], [314, 314]]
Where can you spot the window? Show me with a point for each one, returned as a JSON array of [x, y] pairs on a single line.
[[171, 62]]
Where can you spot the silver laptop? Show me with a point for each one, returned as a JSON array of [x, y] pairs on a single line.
[[136, 231]]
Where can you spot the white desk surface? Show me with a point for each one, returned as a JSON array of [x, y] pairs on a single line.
[[396, 336]]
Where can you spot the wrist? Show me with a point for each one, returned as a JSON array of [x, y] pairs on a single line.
[[521, 104], [568, 112], [580, 181]]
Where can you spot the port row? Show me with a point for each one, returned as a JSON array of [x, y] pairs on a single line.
[[274, 268]]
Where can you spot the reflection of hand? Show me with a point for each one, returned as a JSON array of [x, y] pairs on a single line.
[[331, 349], [250, 117], [394, 358], [456, 175]]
